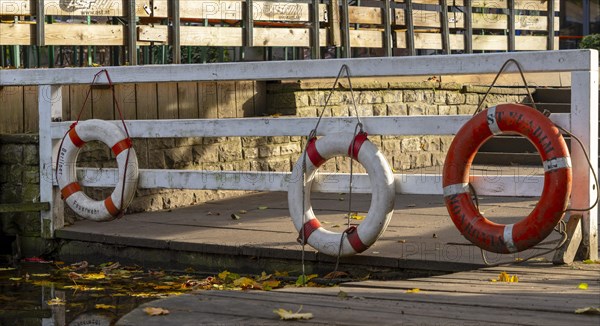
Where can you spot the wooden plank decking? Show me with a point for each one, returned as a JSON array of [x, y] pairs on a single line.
[[544, 295]]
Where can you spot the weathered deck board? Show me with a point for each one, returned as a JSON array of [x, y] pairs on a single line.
[[387, 302]]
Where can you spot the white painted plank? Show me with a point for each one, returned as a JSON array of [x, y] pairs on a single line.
[[535, 61], [50, 107], [396, 125], [422, 184], [584, 120]]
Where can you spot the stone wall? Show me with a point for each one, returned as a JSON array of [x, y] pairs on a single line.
[[19, 182], [373, 98]]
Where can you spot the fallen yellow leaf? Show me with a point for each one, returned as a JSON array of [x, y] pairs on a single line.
[[415, 290], [56, 302], [94, 276], [7, 269], [588, 311], [262, 207], [356, 216], [40, 275], [505, 277], [104, 306], [153, 311], [15, 278], [583, 286], [587, 261], [244, 282], [289, 315]]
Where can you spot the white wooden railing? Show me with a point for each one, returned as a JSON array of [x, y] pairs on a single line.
[[582, 121]]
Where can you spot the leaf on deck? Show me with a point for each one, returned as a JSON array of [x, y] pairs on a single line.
[[289, 315], [154, 311]]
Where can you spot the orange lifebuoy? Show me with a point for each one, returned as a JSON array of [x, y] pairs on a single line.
[[550, 209]]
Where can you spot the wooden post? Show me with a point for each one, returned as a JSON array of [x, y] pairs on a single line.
[[511, 25], [445, 28], [335, 36], [468, 17], [248, 23], [584, 125], [40, 23], [175, 29], [410, 28], [49, 108], [551, 28], [566, 254], [131, 34], [314, 35], [387, 28], [345, 31]]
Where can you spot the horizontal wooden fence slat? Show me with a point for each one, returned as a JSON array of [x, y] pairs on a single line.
[[242, 127], [233, 10], [78, 34], [519, 4], [231, 36], [418, 184]]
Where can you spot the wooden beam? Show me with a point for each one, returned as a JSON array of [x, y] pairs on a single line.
[[422, 184], [233, 36], [17, 34], [63, 8], [24, 207], [393, 126], [335, 36], [75, 34], [460, 64], [552, 25], [387, 28], [346, 52], [315, 29], [248, 23], [366, 38]]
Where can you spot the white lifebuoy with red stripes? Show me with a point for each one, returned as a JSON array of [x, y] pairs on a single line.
[[356, 238], [120, 144]]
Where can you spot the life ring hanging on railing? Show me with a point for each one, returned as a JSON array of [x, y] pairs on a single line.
[[357, 238], [554, 199], [121, 146]]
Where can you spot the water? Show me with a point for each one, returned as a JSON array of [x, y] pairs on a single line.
[[61, 294]]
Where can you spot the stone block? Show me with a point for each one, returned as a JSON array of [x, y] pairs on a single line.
[[177, 158], [230, 152], [277, 139], [410, 144], [467, 109], [391, 147], [400, 162], [438, 159], [455, 98], [279, 165], [422, 109], [420, 160], [380, 109], [189, 141], [158, 159], [394, 109], [412, 96], [290, 149], [32, 175], [250, 141], [250, 153], [11, 153], [392, 96], [430, 143], [161, 143], [307, 112], [445, 142], [472, 98], [269, 151], [447, 110], [205, 153], [31, 155]]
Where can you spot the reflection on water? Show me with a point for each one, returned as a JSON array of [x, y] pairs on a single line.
[[59, 294]]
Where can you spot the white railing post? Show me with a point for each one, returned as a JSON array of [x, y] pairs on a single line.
[[50, 109], [584, 125]]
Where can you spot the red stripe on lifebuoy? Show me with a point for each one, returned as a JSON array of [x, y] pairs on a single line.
[[309, 227], [354, 239], [70, 189], [314, 156], [356, 144], [121, 146], [75, 138], [110, 206]]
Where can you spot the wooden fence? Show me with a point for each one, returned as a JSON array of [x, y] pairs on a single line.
[[399, 27], [146, 101]]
